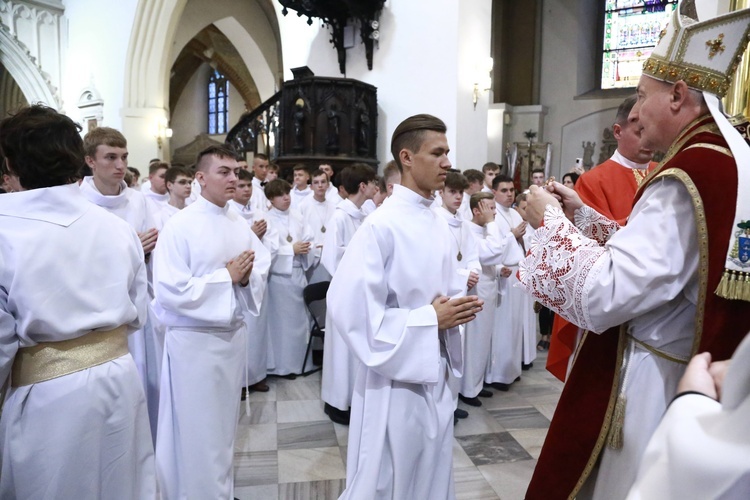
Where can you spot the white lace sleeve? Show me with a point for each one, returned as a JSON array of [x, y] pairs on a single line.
[[557, 266], [594, 225]]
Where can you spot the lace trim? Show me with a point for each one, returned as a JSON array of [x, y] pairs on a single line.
[[594, 225], [557, 266]]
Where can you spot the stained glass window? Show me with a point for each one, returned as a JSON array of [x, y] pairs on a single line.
[[631, 31], [218, 97]]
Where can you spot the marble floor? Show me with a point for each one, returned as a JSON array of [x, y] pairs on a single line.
[[287, 448]]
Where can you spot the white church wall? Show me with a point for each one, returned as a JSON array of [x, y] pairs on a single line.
[[98, 37], [562, 21], [415, 67]]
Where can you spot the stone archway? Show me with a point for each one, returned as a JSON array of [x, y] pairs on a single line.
[[148, 65], [23, 68]]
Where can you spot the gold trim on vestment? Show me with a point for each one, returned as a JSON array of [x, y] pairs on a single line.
[[48, 360], [702, 228], [604, 431]]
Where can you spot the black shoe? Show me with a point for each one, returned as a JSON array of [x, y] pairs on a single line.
[[470, 401], [525, 367], [336, 415], [518, 378], [500, 386], [484, 393], [243, 396], [459, 413]]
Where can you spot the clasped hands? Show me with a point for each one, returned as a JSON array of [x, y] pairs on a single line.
[[701, 375], [554, 194], [240, 267]]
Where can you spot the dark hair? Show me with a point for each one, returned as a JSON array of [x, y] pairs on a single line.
[[573, 177], [245, 175], [410, 134], [538, 171], [135, 171], [155, 167], [173, 172], [474, 175], [477, 197], [272, 166], [623, 111], [317, 173], [103, 136], [43, 147], [455, 180], [490, 165], [220, 150], [500, 178], [299, 166], [260, 156], [355, 175], [277, 187]]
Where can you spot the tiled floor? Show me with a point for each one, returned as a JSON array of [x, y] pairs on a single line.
[[288, 448]]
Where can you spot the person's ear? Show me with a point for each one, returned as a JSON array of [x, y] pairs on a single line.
[[617, 131]]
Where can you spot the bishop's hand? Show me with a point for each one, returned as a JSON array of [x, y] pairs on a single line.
[[537, 202]]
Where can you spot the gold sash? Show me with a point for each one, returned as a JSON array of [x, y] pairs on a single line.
[[48, 360]]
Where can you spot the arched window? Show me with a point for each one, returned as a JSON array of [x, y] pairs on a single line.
[[218, 103], [631, 31]]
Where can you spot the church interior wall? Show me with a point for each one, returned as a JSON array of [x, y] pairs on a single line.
[[98, 37]]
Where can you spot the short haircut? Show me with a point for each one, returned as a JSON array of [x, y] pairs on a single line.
[[103, 136], [390, 171], [500, 178], [455, 180], [355, 175], [474, 175], [381, 184], [299, 166], [220, 150], [245, 175], [490, 165], [43, 147], [154, 167], [273, 167], [277, 187], [317, 173], [623, 111], [176, 171], [135, 171], [477, 197], [260, 156], [538, 171], [409, 134], [521, 197]]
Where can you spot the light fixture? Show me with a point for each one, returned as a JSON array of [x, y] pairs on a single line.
[[162, 131], [482, 79]]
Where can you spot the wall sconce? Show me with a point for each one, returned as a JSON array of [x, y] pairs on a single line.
[[162, 131], [482, 79]]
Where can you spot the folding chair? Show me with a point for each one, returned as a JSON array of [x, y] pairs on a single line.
[[313, 293]]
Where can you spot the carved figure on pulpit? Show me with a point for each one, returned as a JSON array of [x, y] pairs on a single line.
[[299, 124], [363, 134], [332, 140]]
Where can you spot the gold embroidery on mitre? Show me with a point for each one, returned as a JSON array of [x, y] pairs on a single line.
[[715, 46]]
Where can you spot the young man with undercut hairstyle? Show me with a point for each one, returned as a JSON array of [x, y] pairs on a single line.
[[208, 269], [538, 177], [391, 299], [259, 201], [339, 365]]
